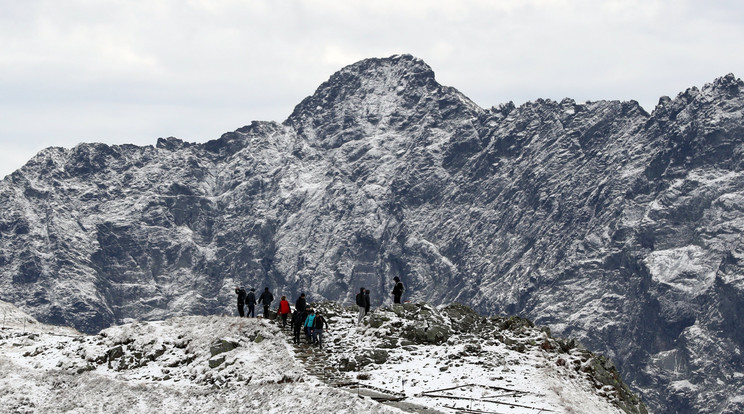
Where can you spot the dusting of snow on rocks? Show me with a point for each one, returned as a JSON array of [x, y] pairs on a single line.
[[188, 364], [405, 358]]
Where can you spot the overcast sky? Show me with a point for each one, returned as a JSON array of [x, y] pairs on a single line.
[[131, 71]]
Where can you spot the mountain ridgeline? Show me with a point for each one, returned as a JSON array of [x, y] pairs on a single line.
[[598, 219]]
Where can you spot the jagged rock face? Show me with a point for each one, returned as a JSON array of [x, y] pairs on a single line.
[[604, 222]]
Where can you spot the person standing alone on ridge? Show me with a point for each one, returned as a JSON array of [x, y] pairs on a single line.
[[367, 302], [361, 301], [250, 300], [397, 290], [266, 298], [241, 299]]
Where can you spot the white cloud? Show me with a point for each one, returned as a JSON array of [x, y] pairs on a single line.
[[196, 60]]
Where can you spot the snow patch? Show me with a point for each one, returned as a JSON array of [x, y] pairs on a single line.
[[683, 268]]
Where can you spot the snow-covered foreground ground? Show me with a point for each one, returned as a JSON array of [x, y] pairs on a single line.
[[227, 364]]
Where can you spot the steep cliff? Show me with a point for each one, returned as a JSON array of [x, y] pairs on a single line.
[[605, 222]]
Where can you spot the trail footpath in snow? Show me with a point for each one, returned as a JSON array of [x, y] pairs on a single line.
[[425, 360]]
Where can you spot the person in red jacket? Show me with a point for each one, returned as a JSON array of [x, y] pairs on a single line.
[[284, 310]]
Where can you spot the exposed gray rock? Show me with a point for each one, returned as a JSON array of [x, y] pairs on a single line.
[[377, 356], [115, 353], [598, 219], [223, 345], [214, 362]]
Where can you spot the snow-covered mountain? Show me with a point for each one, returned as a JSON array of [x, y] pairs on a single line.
[[609, 224], [223, 364]]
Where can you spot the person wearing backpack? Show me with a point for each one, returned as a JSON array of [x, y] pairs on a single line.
[[266, 298], [241, 299], [397, 290], [250, 300], [319, 324], [362, 303]]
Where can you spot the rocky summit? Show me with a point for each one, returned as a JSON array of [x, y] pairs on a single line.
[[609, 224]]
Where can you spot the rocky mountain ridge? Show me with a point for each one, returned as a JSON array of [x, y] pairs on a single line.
[[228, 364], [598, 219]]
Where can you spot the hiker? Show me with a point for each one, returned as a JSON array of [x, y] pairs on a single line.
[[296, 326], [318, 329], [302, 319], [266, 297], [309, 325], [397, 290], [250, 300], [367, 302], [301, 303], [241, 299], [284, 311], [361, 301]]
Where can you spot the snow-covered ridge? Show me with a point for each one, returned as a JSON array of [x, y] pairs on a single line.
[[229, 364], [198, 364]]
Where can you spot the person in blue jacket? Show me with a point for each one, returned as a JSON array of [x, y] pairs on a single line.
[[309, 325]]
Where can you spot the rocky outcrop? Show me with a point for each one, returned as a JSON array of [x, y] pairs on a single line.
[[598, 219], [459, 335]]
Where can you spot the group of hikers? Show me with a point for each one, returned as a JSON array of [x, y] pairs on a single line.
[[304, 319], [249, 299], [364, 303]]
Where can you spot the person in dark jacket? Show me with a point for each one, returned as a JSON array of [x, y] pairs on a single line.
[[303, 318], [301, 303], [250, 300], [397, 290], [361, 301], [319, 323], [266, 297], [296, 326], [241, 299], [367, 302]]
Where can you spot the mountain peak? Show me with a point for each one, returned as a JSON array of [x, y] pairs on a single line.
[[374, 76], [374, 94], [729, 84], [397, 71], [403, 63]]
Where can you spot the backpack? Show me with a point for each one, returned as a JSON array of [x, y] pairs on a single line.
[[359, 299]]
